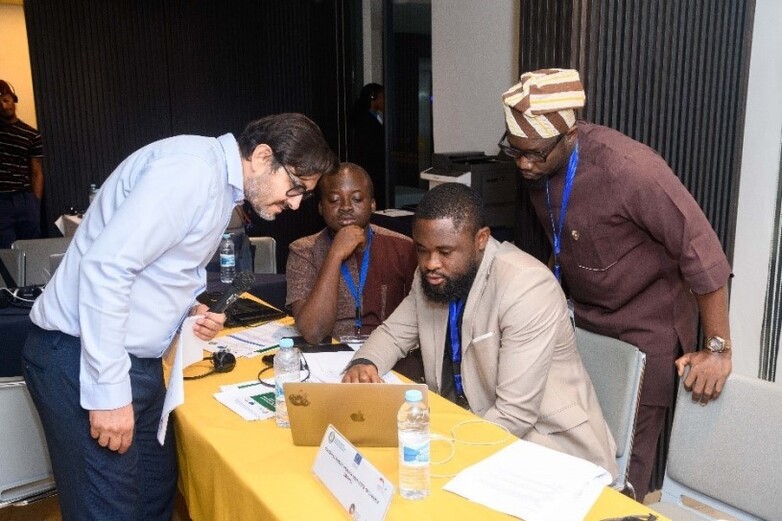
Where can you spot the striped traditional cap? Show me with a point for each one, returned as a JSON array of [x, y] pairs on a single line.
[[543, 103]]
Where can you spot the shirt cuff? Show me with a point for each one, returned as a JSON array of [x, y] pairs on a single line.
[[106, 397], [360, 361], [711, 279]]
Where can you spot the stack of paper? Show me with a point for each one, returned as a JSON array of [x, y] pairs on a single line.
[[532, 482], [254, 341], [250, 400]]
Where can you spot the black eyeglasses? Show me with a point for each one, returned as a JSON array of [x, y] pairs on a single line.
[[533, 156], [297, 189]]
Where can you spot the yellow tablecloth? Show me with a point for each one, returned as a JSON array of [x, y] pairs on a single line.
[[232, 469]]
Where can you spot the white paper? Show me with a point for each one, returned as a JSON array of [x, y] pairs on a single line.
[[362, 490], [60, 224], [67, 224], [185, 350], [250, 400], [254, 341], [329, 367], [532, 482], [391, 378]]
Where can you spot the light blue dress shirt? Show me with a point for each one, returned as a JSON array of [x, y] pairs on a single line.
[[137, 260]]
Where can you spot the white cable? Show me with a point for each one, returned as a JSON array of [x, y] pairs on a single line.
[[453, 440], [451, 454], [17, 297]]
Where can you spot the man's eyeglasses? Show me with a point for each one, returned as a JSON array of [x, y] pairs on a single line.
[[533, 156], [297, 189]]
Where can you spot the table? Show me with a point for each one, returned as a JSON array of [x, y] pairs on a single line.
[[231, 469]]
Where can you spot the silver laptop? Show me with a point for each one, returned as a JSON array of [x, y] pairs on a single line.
[[364, 413]]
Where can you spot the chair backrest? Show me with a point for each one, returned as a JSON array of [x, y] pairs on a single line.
[[54, 262], [265, 256], [727, 454], [14, 263], [25, 469], [616, 369], [36, 255]]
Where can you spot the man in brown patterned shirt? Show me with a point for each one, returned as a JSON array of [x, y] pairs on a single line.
[[347, 278], [638, 256]]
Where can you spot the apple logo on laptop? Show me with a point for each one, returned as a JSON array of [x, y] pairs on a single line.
[[357, 416], [299, 399]]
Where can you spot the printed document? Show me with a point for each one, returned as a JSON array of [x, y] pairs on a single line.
[[254, 341], [250, 400], [533, 483], [185, 350]]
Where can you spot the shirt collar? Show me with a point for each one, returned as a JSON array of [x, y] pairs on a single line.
[[233, 163]]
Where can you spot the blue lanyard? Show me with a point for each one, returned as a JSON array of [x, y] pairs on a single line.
[[556, 231], [455, 308], [362, 279]]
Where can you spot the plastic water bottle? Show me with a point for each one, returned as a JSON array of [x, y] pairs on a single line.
[[227, 259], [287, 368], [93, 191], [413, 424]]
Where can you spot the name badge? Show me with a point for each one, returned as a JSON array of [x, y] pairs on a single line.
[[362, 490]]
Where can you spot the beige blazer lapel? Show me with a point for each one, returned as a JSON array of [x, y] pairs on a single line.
[[476, 296]]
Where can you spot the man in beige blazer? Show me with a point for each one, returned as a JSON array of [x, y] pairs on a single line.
[[516, 363]]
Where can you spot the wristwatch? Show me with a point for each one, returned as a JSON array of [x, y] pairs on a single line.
[[717, 344]]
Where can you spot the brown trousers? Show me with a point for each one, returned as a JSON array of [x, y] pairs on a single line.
[[649, 424]]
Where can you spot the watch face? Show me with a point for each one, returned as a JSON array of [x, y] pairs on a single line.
[[716, 344]]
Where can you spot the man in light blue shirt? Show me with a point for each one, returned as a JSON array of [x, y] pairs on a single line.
[[126, 283]]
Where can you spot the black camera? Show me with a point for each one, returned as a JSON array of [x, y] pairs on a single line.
[[223, 361]]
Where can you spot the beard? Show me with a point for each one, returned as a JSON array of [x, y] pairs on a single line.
[[456, 288], [264, 214], [256, 192]]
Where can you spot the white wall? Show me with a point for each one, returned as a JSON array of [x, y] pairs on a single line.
[[758, 188], [474, 60], [15, 60], [372, 31]]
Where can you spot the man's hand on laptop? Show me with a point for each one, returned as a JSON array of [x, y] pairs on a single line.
[[360, 371]]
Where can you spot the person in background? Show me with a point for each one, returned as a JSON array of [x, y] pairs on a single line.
[[368, 141], [347, 278], [494, 332], [631, 245], [92, 360], [21, 173]]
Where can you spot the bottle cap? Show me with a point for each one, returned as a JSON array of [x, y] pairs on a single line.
[[286, 343], [413, 395]]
